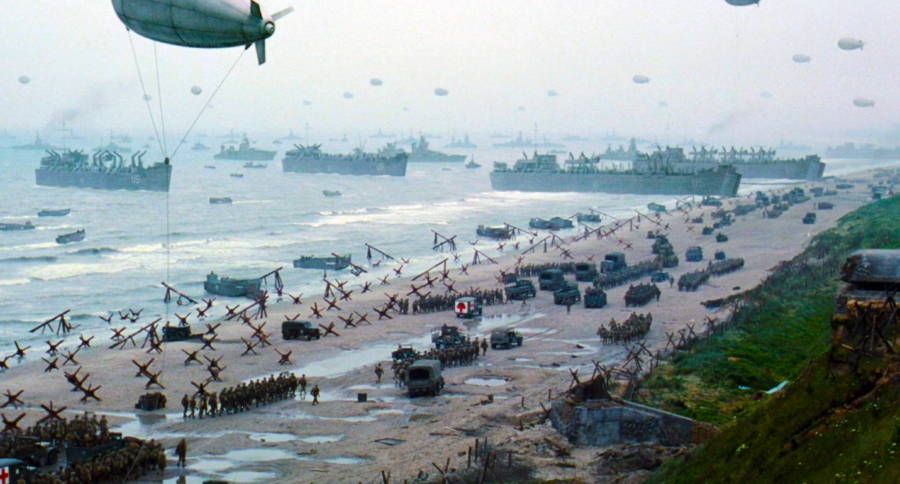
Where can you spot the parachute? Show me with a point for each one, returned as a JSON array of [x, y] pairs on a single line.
[[200, 23], [639, 79], [441, 92]]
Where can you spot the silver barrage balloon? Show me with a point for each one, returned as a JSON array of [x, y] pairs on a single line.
[[201, 23], [849, 43], [348, 95], [307, 102], [766, 95], [196, 90], [862, 102], [375, 81], [552, 93], [24, 79], [639, 79], [441, 92], [742, 3], [801, 58]]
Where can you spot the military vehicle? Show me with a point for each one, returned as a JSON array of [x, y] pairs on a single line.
[[719, 255], [809, 218], [447, 337], [691, 281], [752, 163], [721, 238], [607, 280], [568, 293], [422, 154], [151, 401], [664, 251], [824, 205], [244, 152], [612, 262], [817, 191], [724, 266], [220, 200], [585, 271], [497, 232], [76, 236], [178, 333], [542, 173], [555, 223], [311, 159], [711, 202], [659, 277], [520, 290], [226, 286], [106, 171], [12, 471], [54, 213], [594, 298], [299, 330], [641, 294], [423, 377], [9, 227], [468, 307], [505, 338], [593, 218], [708, 230], [657, 208], [694, 254], [551, 279], [844, 186], [404, 353], [871, 275], [461, 143], [330, 263]]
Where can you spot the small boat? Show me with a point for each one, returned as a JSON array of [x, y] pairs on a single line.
[[322, 263], [76, 236], [226, 286], [237, 175], [54, 213], [220, 200], [13, 226], [446, 169], [472, 165], [209, 167], [331, 193], [656, 207], [200, 147], [588, 217], [250, 164]]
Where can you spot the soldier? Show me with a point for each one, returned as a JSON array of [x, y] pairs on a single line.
[[201, 408], [302, 383], [484, 346], [161, 462], [181, 452], [185, 402], [213, 405], [193, 406], [379, 371], [315, 394]]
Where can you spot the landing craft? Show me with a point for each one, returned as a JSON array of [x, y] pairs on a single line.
[[862, 102], [801, 58], [200, 23], [849, 43]]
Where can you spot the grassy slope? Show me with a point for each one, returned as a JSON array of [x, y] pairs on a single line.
[[821, 428]]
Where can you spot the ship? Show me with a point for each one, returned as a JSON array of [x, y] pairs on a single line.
[[621, 154], [380, 134], [48, 212], [112, 147], [226, 286], [461, 144], [311, 159], [866, 151], [199, 147], [752, 163], [244, 152], [37, 145], [9, 227], [520, 142], [76, 236], [257, 166], [220, 200], [542, 173], [472, 165], [331, 263], [331, 193], [104, 170], [422, 154]]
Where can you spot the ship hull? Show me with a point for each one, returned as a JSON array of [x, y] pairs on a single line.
[[155, 179], [721, 182], [438, 159], [810, 168], [258, 156], [389, 167]]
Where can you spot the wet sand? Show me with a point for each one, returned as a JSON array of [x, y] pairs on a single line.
[[342, 440]]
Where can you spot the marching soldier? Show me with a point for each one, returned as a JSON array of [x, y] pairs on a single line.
[[315, 394], [193, 406], [181, 452], [302, 383], [185, 403], [484, 346], [379, 371]]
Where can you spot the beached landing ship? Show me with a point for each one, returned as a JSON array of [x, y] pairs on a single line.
[[422, 154], [331, 263], [750, 163], [311, 159], [226, 286], [541, 173], [105, 170], [244, 152]]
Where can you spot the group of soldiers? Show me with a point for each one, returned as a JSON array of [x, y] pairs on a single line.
[[634, 328], [436, 303], [534, 270], [85, 431], [457, 355], [135, 459], [245, 396]]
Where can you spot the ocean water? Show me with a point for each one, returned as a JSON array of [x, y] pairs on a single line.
[[276, 217]]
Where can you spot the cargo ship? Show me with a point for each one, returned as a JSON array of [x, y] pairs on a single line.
[[421, 153], [750, 163], [542, 173], [105, 170], [311, 159]]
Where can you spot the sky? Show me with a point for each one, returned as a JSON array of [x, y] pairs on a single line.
[[708, 63]]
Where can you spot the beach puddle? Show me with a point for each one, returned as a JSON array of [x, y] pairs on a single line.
[[390, 442], [486, 382], [336, 460], [388, 411], [271, 437], [256, 455], [321, 439], [249, 476]]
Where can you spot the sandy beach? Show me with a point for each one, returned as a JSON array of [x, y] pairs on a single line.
[[342, 440]]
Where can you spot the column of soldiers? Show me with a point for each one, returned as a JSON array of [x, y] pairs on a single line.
[[245, 396], [130, 460], [460, 355], [532, 270], [635, 327], [432, 304]]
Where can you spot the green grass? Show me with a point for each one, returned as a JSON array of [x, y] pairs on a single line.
[[784, 326]]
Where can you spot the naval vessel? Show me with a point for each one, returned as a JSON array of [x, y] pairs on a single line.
[[37, 145], [244, 152], [422, 154], [104, 170], [621, 154], [752, 163], [542, 173], [311, 159]]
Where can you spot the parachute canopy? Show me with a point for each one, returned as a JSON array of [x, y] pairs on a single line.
[[862, 102], [640, 79], [196, 90], [24, 79], [200, 23], [849, 43], [375, 81], [441, 92], [801, 58]]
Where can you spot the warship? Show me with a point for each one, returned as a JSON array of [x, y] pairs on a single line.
[[422, 154], [37, 145], [380, 134], [311, 159], [112, 147], [105, 170], [199, 147], [750, 163], [867, 151], [542, 173], [520, 142], [621, 154], [463, 144], [244, 152]]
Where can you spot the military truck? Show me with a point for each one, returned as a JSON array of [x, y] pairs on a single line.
[[447, 337], [404, 353], [468, 307], [708, 230], [567, 294], [497, 232], [641, 294], [809, 218], [505, 338], [871, 275], [694, 254], [719, 255], [612, 262], [177, 333], [12, 471], [299, 330], [594, 298], [691, 281], [824, 205], [423, 377], [151, 401], [585, 271], [522, 289], [659, 276], [720, 238], [711, 202], [551, 279]]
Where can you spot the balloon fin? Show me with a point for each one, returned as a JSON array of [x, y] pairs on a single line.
[[261, 51], [255, 11]]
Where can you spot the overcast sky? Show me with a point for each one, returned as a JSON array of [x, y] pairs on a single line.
[[707, 61]]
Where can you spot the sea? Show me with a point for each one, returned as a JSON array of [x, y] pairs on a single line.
[[135, 240]]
